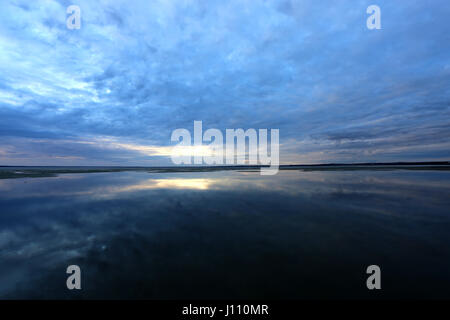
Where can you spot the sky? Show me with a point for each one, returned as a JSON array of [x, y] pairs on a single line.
[[113, 91]]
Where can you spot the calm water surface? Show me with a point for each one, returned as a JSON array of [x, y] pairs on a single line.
[[226, 234]]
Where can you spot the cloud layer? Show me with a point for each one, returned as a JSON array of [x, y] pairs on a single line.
[[112, 92]]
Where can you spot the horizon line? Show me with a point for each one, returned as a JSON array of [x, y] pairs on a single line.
[[249, 165]]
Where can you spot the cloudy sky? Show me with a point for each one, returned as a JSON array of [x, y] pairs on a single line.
[[112, 92]]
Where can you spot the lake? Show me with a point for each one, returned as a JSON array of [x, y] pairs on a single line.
[[226, 234]]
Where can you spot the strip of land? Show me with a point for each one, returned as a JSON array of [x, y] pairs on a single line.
[[13, 172]]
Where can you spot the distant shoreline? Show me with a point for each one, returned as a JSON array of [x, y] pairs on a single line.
[[14, 172], [402, 163]]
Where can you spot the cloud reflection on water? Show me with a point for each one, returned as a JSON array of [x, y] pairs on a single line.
[[210, 225]]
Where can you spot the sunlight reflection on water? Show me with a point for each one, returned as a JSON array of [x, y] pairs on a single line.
[[172, 235]]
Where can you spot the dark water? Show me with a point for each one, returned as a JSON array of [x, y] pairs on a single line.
[[226, 234]]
